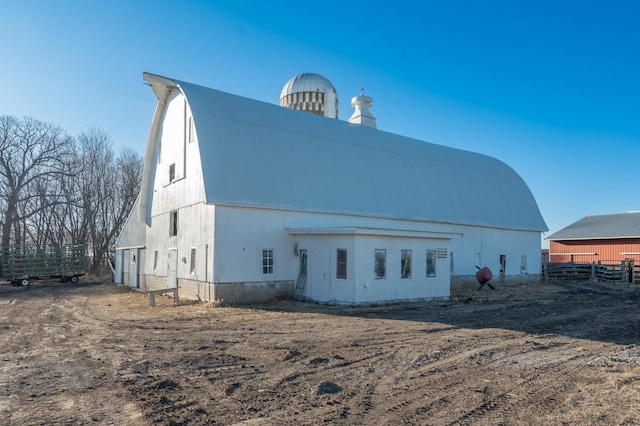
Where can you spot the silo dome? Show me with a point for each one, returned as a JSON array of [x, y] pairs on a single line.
[[311, 93]]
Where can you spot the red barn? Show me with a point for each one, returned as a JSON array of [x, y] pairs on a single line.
[[608, 238]]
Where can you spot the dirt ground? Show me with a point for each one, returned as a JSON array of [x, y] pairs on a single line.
[[97, 353]]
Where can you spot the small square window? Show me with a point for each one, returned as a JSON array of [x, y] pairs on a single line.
[[267, 261], [405, 264], [341, 264]]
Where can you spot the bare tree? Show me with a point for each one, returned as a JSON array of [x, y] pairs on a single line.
[[32, 156], [108, 188], [56, 191], [57, 224]]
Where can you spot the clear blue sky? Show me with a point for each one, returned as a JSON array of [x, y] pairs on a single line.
[[552, 88]]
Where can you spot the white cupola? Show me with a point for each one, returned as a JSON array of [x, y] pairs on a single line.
[[362, 115]]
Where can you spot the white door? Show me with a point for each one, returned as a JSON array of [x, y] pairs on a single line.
[[319, 274], [172, 268], [133, 268]]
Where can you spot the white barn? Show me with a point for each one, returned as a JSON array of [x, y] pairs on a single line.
[[244, 201]]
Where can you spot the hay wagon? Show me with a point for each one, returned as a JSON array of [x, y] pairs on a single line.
[[23, 264]]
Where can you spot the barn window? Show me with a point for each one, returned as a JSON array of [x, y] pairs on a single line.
[[341, 264], [503, 264], [155, 260], [173, 223], [523, 264], [405, 264], [191, 131], [192, 263], [431, 263], [267, 261], [172, 172], [380, 268]]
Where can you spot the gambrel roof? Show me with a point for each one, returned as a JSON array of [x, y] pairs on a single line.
[[259, 154], [605, 226]]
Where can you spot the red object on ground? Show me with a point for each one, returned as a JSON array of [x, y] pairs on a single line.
[[484, 275]]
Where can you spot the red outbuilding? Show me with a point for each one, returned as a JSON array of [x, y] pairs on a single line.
[[608, 239]]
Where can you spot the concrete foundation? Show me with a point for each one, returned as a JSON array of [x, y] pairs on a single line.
[[253, 292], [229, 293]]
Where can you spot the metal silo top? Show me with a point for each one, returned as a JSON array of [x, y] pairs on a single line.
[[307, 82]]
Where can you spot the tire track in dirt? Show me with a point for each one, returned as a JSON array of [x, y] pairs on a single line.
[[480, 361], [429, 384], [535, 385]]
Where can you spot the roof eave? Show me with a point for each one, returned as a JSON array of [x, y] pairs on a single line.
[[161, 86], [610, 237]]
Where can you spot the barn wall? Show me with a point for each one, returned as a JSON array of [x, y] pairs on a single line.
[[483, 247], [322, 283], [177, 187], [175, 147], [195, 235], [233, 263], [608, 251], [242, 233], [369, 289]]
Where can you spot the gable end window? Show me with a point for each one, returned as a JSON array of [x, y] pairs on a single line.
[[190, 131], [341, 264], [173, 223], [172, 172], [267, 261]]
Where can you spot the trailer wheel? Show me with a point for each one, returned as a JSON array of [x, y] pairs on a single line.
[[74, 279], [24, 282]]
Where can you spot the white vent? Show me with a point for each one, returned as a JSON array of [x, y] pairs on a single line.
[[441, 253]]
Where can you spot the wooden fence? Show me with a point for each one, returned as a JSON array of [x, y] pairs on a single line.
[[571, 271]]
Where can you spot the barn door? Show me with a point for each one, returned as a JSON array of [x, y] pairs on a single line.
[[172, 268], [133, 268], [319, 273]]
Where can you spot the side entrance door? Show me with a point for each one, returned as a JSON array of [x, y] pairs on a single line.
[[133, 268], [319, 276], [172, 268]]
